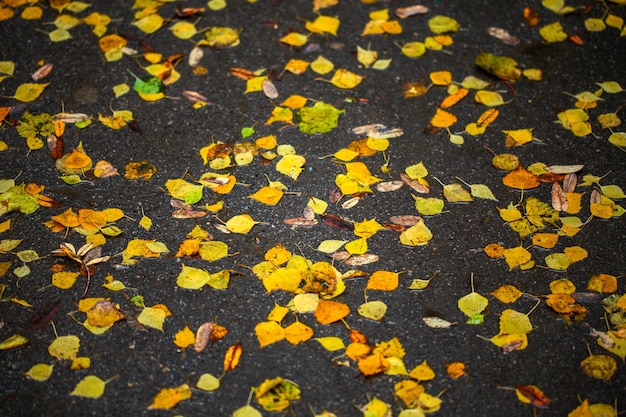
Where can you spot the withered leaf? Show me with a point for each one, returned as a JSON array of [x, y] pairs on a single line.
[[414, 184]]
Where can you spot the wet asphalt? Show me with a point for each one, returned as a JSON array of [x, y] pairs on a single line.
[[169, 134]]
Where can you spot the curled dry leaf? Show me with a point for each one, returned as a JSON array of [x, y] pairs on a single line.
[[337, 222], [71, 117], [569, 182], [503, 35], [404, 12], [202, 336], [406, 220], [415, 184], [195, 56], [193, 96], [269, 89], [364, 259], [387, 186], [559, 199], [350, 202], [42, 72]]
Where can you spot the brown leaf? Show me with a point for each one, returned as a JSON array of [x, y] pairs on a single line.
[[406, 220], [534, 395], [42, 72], [569, 182], [337, 222], [357, 260]]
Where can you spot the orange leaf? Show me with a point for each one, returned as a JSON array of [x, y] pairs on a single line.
[[443, 119], [297, 333], [232, 356], [91, 219], [373, 364], [330, 311], [77, 160], [68, 218], [383, 281], [452, 99], [455, 369], [521, 179]]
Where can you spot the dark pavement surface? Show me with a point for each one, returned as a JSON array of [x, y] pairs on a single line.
[[169, 134]]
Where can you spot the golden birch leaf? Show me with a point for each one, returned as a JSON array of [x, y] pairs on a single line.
[[422, 372], [514, 322], [291, 165], [331, 245], [149, 24], [294, 39], [553, 32], [208, 383], [28, 92], [416, 235], [152, 317], [322, 66], [268, 332], [323, 24], [40, 372], [247, 411], [443, 119], [516, 256], [455, 193], [184, 338], [89, 387], [383, 281], [507, 293], [330, 311], [344, 79], [545, 240], [373, 310], [268, 195], [482, 191], [599, 367], [297, 333], [168, 398], [472, 304], [357, 246], [241, 223], [331, 343], [64, 347], [557, 261]]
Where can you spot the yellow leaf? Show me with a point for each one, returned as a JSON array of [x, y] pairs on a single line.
[[357, 247], [40, 372], [318, 206], [367, 228], [268, 195], [545, 240], [296, 66], [416, 235], [443, 24], [472, 304], [553, 32], [413, 49], [168, 398], [149, 24], [208, 382], [184, 338], [345, 79], [422, 372], [507, 293], [599, 367], [89, 387], [557, 261], [294, 39], [241, 223], [323, 24], [64, 347], [268, 332], [291, 165], [331, 343], [278, 255], [516, 256], [64, 279], [192, 278], [575, 253], [441, 77], [28, 92], [365, 56], [488, 98], [373, 310], [514, 322], [287, 279], [183, 30], [152, 317]]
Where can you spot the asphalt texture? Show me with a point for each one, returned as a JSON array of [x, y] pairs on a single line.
[[169, 134]]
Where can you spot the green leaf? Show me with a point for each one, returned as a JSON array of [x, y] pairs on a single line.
[[148, 85], [320, 118]]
